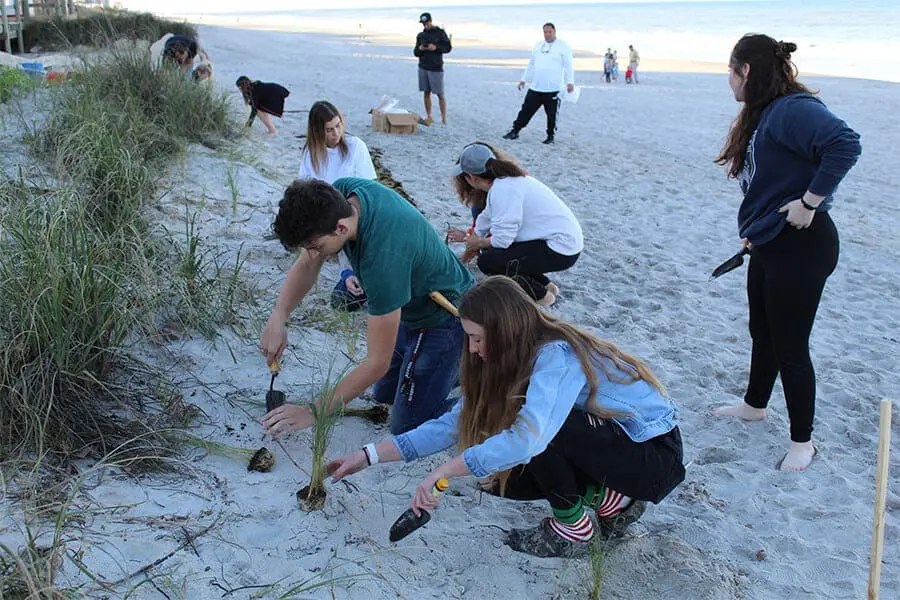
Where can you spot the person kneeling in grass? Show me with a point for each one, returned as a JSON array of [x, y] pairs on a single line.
[[548, 412], [413, 345]]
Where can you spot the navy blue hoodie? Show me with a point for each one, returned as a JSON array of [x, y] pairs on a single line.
[[799, 145]]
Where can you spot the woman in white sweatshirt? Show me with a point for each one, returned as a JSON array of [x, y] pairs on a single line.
[[330, 154], [524, 229]]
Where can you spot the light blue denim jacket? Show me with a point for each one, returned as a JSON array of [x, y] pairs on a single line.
[[557, 384]]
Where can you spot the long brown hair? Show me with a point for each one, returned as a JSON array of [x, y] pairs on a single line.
[[502, 166], [319, 114], [772, 75], [514, 330]]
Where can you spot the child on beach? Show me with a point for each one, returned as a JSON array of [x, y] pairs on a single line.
[[330, 153], [264, 99], [413, 344], [789, 153], [549, 412], [628, 75], [532, 231]]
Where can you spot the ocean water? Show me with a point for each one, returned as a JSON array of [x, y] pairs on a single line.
[[846, 38]]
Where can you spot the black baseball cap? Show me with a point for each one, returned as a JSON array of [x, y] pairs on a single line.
[[424, 17]]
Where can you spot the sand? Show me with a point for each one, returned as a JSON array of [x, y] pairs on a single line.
[[635, 165]]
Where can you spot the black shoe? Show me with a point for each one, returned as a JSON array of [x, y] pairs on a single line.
[[544, 542], [512, 134], [549, 140], [615, 526]]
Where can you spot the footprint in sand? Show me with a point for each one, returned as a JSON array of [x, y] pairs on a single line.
[[714, 455]]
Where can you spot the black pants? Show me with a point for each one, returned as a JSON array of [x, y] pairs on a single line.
[[533, 101], [584, 454], [784, 285], [526, 262]]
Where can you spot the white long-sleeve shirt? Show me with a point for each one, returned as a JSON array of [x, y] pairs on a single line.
[[550, 67], [357, 163], [522, 209]]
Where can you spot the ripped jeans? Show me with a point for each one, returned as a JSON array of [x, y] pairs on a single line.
[[424, 369]]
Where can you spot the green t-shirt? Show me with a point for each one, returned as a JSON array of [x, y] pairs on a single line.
[[399, 258]]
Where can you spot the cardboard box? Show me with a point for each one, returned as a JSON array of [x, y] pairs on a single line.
[[401, 123]]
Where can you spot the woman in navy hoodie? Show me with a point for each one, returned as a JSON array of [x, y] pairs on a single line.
[[789, 153]]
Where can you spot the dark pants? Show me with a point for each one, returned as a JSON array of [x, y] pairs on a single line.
[[784, 285], [342, 299], [583, 454], [424, 368], [533, 101], [526, 262]]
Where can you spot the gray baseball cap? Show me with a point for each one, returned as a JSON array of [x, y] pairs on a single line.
[[473, 159]]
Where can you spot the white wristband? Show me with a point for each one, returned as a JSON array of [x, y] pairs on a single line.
[[372, 453]]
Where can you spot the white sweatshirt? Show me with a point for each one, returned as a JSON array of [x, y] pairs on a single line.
[[357, 163], [550, 67], [521, 209]]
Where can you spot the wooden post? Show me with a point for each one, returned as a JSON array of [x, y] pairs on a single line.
[[881, 476], [6, 31], [20, 19], [26, 9]]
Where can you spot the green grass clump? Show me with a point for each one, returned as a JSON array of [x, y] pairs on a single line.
[[14, 83], [97, 28], [83, 273], [119, 122]]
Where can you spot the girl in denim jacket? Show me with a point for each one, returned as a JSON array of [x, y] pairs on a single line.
[[552, 413]]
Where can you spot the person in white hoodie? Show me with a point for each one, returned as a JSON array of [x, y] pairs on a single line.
[[524, 230], [329, 154], [549, 67]]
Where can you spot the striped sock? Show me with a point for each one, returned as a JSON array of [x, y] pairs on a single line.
[[613, 503], [572, 524]]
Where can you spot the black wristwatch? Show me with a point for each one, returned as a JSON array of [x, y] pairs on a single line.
[[807, 205]]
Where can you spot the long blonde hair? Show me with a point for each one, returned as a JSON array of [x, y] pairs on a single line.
[[514, 330], [319, 114]]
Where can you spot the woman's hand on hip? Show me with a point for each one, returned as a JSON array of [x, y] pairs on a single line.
[[798, 215]]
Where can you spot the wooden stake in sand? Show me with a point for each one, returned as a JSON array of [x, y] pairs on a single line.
[[881, 475]]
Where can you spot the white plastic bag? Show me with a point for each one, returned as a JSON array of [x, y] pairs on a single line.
[[572, 97]]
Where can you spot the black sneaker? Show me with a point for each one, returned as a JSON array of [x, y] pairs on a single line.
[[549, 140], [512, 134], [542, 541], [615, 526]]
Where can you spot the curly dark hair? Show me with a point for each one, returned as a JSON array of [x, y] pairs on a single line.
[[309, 209], [772, 75]]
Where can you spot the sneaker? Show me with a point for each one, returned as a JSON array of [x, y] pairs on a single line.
[[512, 134], [615, 526], [549, 140], [542, 541]]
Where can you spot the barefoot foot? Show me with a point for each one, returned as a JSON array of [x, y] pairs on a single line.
[[548, 299], [798, 457], [742, 410]]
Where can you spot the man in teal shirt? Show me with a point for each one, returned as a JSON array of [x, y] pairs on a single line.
[[414, 345]]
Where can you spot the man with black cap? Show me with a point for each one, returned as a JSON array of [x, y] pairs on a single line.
[[550, 66], [431, 45]]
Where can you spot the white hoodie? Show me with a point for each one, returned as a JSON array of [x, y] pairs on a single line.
[[550, 67], [522, 209]]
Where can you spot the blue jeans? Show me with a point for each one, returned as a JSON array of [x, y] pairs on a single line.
[[424, 369], [342, 299]]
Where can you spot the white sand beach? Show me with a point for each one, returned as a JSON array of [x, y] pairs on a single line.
[[635, 164]]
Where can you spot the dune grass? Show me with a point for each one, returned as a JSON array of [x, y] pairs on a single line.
[[96, 28], [83, 271]]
